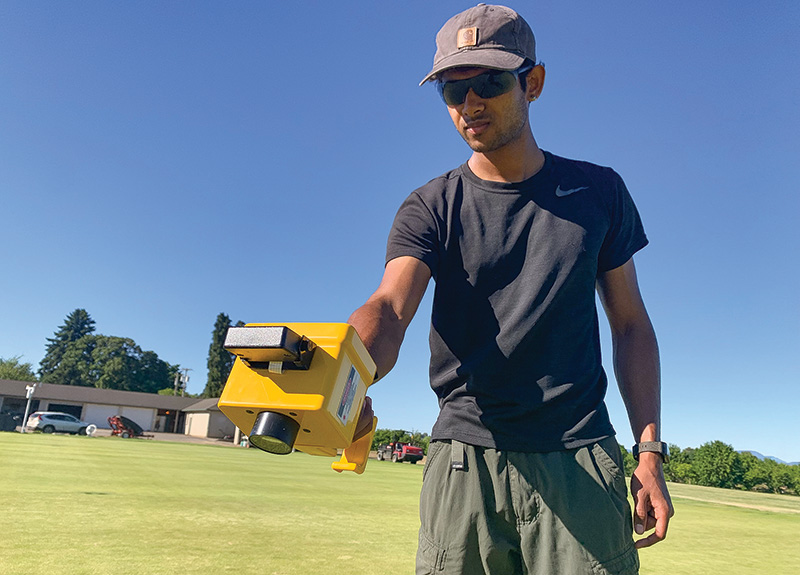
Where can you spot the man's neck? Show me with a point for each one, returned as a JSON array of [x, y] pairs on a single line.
[[513, 163]]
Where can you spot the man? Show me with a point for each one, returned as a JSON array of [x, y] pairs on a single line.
[[524, 473]]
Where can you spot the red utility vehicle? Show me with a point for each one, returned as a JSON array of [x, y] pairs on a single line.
[[399, 452], [124, 427]]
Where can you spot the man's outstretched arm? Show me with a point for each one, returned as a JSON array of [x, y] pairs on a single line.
[[382, 321], [638, 371]]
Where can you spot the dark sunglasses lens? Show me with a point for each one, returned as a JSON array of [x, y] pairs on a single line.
[[453, 93], [486, 85], [497, 84]]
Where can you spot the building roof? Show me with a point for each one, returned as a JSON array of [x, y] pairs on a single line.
[[203, 405], [78, 394]]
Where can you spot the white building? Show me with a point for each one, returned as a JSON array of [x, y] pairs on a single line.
[[204, 419], [164, 413]]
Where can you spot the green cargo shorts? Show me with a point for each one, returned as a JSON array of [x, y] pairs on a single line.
[[491, 512]]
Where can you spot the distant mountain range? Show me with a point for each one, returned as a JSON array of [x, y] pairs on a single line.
[[763, 457]]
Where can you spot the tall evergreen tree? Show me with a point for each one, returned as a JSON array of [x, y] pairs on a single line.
[[75, 355], [78, 324], [75, 365], [111, 362], [219, 360]]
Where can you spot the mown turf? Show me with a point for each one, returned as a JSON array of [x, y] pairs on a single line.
[[83, 505], [107, 505], [726, 532]]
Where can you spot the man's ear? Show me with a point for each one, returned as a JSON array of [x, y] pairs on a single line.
[[535, 83]]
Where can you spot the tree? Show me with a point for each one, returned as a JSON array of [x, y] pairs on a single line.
[[384, 436], [111, 362], [420, 440], [220, 361], [74, 364], [381, 437], [755, 474], [13, 369], [118, 363], [171, 391], [781, 478], [629, 463], [679, 467], [795, 470], [714, 463], [77, 325], [77, 356]]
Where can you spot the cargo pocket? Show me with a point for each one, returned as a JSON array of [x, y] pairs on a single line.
[[610, 471], [433, 450], [626, 563], [620, 556], [430, 557]]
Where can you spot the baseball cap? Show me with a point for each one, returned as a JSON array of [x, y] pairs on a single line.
[[485, 36]]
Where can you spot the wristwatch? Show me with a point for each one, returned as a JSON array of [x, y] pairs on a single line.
[[651, 446]]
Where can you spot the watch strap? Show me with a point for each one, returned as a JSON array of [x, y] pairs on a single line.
[[651, 447]]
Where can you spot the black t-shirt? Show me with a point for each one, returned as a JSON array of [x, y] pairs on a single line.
[[515, 347]]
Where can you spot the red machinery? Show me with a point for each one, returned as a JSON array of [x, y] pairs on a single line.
[[398, 451], [124, 427]]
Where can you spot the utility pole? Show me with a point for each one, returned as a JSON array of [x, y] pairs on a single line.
[[29, 389], [185, 379], [181, 380]]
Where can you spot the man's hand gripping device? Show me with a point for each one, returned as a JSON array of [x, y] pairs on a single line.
[[300, 386]]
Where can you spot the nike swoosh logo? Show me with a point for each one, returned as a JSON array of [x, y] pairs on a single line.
[[561, 193]]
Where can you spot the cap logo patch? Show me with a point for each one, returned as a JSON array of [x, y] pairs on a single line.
[[467, 37]]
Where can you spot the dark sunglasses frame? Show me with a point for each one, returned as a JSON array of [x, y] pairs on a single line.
[[490, 84]]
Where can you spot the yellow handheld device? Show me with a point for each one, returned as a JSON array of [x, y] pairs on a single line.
[[300, 386]]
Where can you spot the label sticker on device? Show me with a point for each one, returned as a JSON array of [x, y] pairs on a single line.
[[353, 379]]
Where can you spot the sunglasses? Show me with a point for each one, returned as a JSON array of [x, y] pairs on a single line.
[[487, 85]]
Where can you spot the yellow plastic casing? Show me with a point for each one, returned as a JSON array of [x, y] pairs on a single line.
[[326, 399], [355, 457]]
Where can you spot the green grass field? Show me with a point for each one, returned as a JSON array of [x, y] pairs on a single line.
[[71, 505]]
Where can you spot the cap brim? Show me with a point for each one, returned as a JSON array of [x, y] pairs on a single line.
[[477, 58]]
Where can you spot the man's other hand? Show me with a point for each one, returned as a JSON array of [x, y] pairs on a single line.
[[364, 424], [652, 504]]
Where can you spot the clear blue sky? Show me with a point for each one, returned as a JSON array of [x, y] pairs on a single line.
[[162, 162]]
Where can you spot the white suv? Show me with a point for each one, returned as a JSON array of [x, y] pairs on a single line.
[[50, 421]]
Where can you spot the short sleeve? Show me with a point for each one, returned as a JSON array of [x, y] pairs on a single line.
[[414, 233], [625, 235]]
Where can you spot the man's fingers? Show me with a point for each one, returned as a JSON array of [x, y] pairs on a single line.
[[658, 535], [651, 521], [662, 512], [651, 539], [652, 506], [364, 424], [640, 515], [655, 518], [661, 528]]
